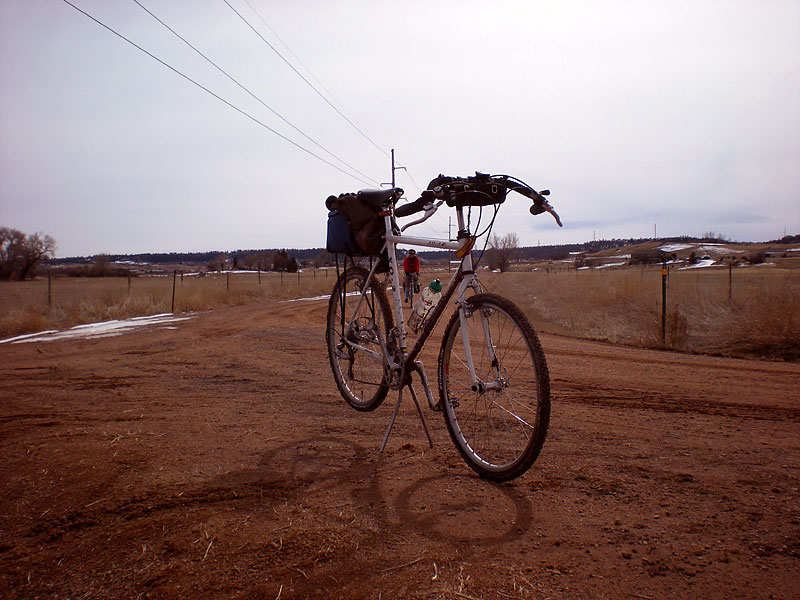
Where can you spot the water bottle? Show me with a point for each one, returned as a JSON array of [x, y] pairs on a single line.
[[423, 307]]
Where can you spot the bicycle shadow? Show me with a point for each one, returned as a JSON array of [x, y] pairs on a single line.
[[447, 502], [403, 490]]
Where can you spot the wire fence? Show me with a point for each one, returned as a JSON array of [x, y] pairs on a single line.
[[56, 302], [731, 310]]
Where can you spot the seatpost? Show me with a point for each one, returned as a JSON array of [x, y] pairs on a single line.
[[394, 277]]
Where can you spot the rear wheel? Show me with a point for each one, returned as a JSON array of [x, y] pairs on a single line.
[[498, 421], [357, 324]]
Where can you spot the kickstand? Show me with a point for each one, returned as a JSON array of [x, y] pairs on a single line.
[[397, 409]]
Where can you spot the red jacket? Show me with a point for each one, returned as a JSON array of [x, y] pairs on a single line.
[[411, 264]]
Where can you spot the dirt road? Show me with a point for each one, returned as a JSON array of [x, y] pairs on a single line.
[[216, 459]]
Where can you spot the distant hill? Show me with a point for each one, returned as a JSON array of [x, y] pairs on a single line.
[[787, 239], [309, 255]]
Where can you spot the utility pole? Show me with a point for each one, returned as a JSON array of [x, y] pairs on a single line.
[[394, 168]]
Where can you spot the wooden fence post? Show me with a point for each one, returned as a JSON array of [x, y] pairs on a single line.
[[664, 303], [49, 290], [174, 280], [730, 280]]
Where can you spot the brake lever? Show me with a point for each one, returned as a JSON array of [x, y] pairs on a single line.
[[549, 208], [540, 207], [429, 211]]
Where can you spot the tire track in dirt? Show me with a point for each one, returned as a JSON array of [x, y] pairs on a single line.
[[568, 391]]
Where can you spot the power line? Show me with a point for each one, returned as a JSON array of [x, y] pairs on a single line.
[[408, 173], [297, 58], [276, 113], [205, 89], [311, 85]]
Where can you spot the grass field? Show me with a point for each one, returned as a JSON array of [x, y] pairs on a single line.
[[24, 306], [754, 313], [749, 311]]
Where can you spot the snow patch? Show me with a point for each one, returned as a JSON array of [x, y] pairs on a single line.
[[713, 249], [701, 264], [98, 330], [675, 247], [311, 298]]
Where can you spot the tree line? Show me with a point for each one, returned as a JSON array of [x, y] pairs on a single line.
[[21, 253]]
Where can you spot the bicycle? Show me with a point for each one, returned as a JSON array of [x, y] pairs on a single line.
[[493, 380], [410, 287]]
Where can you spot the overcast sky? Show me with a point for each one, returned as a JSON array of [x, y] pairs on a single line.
[[683, 115]]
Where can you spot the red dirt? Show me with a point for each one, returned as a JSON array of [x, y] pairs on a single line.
[[217, 460]]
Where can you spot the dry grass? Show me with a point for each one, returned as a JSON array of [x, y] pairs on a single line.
[[761, 317], [24, 306]]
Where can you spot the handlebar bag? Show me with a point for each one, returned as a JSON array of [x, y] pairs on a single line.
[[480, 190]]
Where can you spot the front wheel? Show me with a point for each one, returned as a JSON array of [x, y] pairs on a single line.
[[410, 287], [498, 420], [357, 331]]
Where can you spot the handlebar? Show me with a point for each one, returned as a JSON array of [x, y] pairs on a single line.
[[413, 207], [447, 188]]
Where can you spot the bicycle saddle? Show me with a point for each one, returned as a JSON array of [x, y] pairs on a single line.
[[377, 198]]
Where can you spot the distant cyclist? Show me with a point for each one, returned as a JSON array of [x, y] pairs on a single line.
[[411, 270]]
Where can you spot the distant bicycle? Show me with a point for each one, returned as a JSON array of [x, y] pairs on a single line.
[[493, 381], [410, 287]]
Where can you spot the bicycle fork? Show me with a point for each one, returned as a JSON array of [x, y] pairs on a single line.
[[478, 385]]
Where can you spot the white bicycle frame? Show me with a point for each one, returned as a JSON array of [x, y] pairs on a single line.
[[464, 277]]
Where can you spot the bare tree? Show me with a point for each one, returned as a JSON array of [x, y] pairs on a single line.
[[323, 259], [219, 263], [11, 241], [502, 250], [101, 266], [35, 249], [21, 254], [257, 260]]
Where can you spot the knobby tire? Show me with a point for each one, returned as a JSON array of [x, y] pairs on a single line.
[[499, 432]]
